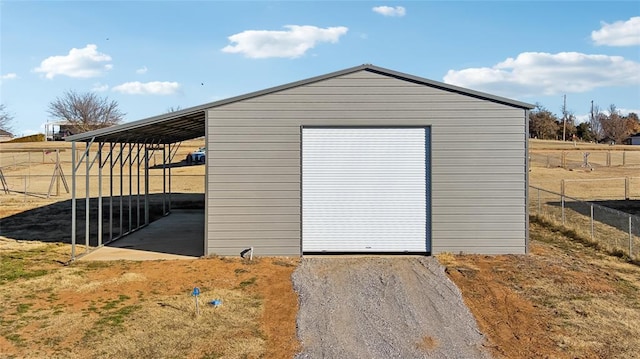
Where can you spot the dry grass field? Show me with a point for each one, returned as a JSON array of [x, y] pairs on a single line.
[[565, 300], [128, 309], [599, 182]]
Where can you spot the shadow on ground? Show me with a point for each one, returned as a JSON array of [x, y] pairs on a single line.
[[52, 223], [604, 213], [182, 163]]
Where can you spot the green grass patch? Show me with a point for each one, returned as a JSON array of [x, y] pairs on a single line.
[[111, 304], [15, 339], [23, 308], [248, 282], [117, 318], [12, 269]]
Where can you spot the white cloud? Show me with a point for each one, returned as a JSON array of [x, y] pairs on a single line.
[[539, 73], [98, 87], [9, 76], [292, 43], [398, 11], [141, 71], [620, 33], [586, 117], [147, 88], [82, 63], [626, 111]]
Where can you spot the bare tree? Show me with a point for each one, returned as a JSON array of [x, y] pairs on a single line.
[[5, 119], [595, 124], [173, 109], [85, 111], [614, 126]]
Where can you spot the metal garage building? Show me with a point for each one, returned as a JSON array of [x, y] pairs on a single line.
[[360, 160]]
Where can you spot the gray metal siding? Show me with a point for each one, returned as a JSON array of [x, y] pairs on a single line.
[[477, 165]]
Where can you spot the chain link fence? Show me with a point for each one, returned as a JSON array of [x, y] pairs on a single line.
[[44, 175], [614, 230]]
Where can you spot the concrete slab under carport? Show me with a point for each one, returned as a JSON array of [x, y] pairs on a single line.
[[179, 235]]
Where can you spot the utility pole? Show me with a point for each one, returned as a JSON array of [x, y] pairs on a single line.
[[564, 118]]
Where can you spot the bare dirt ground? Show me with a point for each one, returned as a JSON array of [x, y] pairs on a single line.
[[564, 300], [382, 308]]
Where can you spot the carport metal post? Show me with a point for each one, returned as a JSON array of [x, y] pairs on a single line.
[[87, 195], [89, 164], [164, 179], [130, 188], [121, 186], [73, 201], [170, 157], [100, 194], [110, 191], [172, 154], [146, 185], [138, 180]]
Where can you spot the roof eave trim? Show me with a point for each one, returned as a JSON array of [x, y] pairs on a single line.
[[449, 87]]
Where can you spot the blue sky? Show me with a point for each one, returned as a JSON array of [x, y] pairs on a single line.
[[153, 55]]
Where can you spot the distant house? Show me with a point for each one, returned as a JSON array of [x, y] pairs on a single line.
[[58, 131], [633, 139], [5, 136]]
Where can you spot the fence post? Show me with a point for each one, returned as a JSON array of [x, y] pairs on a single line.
[[548, 161], [626, 188], [539, 204], [624, 158], [630, 239], [592, 221], [562, 199], [564, 159], [608, 158]]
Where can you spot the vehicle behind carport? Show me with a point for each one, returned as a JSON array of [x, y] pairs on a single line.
[[197, 156]]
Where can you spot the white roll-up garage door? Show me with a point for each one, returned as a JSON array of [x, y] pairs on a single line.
[[365, 189]]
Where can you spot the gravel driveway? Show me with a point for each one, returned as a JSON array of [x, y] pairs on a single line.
[[382, 308]]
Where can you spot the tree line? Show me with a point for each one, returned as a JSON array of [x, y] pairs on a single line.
[[88, 111], [609, 126]]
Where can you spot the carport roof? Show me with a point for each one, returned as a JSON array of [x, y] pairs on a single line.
[[191, 122]]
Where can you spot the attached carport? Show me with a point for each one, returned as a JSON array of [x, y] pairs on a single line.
[[362, 160], [121, 157]]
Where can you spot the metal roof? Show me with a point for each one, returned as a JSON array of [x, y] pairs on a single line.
[[190, 123]]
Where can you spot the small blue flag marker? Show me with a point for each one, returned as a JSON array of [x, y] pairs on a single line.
[[195, 294]]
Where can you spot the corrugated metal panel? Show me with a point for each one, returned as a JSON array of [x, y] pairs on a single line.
[[258, 227], [348, 112], [256, 170], [364, 190], [258, 154], [468, 139], [233, 247], [371, 119], [256, 210], [468, 248]]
